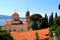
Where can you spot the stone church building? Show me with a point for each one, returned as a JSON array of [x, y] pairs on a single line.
[[15, 24]]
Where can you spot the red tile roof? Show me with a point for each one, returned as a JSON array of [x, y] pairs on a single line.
[[7, 23], [10, 23], [30, 35], [25, 22], [15, 14]]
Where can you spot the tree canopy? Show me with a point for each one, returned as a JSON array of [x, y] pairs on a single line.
[[35, 17], [57, 20], [0, 27], [55, 27], [4, 35], [59, 6], [38, 22]]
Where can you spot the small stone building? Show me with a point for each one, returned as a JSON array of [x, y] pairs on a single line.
[[15, 24]]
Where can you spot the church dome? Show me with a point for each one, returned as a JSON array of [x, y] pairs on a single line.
[[15, 14]]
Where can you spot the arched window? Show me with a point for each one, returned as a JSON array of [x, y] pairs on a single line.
[[9, 30], [28, 28], [14, 30], [21, 29]]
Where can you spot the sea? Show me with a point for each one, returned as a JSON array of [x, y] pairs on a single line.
[[2, 21]]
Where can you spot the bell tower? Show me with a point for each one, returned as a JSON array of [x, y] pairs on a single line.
[[28, 17], [15, 18]]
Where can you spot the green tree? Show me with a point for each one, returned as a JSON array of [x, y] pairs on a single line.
[[51, 19], [56, 15], [35, 17], [46, 17], [54, 20], [43, 23], [34, 26], [57, 20], [46, 20], [4, 35], [0, 27], [58, 32], [37, 37], [52, 28], [36, 20], [59, 6]]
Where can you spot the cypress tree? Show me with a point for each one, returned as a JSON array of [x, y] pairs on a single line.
[[37, 37], [46, 20], [46, 17], [49, 20], [56, 15], [52, 18]]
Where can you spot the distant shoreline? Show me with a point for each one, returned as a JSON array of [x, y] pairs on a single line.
[[2, 21]]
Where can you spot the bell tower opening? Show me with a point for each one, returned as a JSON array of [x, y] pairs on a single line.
[[28, 17]]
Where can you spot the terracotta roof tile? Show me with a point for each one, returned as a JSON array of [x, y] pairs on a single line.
[[10, 23], [30, 35], [15, 14], [7, 23], [24, 22]]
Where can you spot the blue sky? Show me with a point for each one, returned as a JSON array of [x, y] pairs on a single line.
[[8, 7]]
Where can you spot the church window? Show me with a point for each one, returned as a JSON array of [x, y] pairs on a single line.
[[21, 29], [28, 28], [9, 30], [14, 30]]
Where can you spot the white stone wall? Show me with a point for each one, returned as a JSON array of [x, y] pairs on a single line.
[[17, 28]]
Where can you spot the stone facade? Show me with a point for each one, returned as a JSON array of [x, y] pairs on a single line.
[[16, 28], [17, 25]]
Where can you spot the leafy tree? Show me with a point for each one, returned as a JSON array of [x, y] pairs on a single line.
[[4, 35], [52, 28], [55, 27], [44, 24], [38, 22], [58, 32], [35, 19], [59, 6], [34, 26], [37, 37], [57, 20]]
